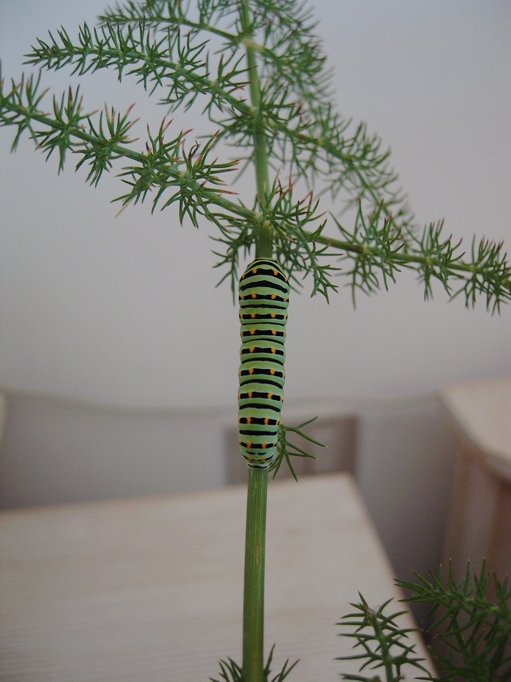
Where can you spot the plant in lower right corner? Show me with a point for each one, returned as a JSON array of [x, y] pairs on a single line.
[[380, 642], [471, 633]]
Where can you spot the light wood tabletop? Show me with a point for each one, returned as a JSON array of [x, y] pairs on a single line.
[[150, 590], [482, 411]]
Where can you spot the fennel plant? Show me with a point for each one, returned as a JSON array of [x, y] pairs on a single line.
[[256, 69]]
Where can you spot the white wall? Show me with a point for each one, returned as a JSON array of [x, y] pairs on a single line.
[[123, 311], [58, 451]]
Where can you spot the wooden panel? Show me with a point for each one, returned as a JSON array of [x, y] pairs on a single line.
[[499, 553], [480, 520], [472, 517], [151, 589]]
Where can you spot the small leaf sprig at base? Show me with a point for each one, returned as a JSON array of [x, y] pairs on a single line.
[[230, 671], [256, 70]]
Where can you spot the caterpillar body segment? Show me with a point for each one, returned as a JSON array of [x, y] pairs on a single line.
[[263, 302]]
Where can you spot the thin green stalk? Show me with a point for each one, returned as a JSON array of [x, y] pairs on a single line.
[[255, 538], [253, 597], [264, 247]]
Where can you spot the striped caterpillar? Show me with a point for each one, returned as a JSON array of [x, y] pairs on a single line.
[[263, 301]]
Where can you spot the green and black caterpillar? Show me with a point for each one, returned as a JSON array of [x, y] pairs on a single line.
[[263, 300]]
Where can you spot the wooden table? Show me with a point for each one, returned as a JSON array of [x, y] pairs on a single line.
[[480, 521], [150, 590]]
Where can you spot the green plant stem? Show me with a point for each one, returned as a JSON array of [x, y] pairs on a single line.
[[264, 246], [255, 538], [253, 597]]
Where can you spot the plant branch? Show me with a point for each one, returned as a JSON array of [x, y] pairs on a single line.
[[290, 121]]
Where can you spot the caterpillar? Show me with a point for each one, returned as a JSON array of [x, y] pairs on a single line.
[[263, 301]]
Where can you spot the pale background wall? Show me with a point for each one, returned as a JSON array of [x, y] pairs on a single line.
[[123, 312]]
